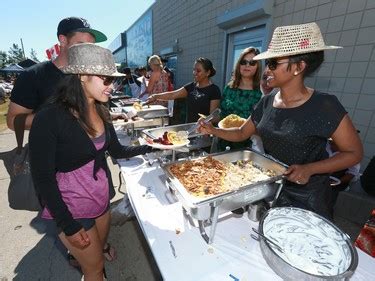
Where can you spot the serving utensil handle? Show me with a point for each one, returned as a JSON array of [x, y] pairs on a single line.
[[213, 114], [268, 240]]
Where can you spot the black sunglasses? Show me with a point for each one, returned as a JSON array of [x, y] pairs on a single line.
[[248, 62], [273, 63], [107, 80]]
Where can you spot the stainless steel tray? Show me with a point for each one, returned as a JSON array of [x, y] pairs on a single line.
[[208, 208], [150, 111], [145, 123]]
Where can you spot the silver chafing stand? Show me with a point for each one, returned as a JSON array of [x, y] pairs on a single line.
[[152, 115], [207, 210]]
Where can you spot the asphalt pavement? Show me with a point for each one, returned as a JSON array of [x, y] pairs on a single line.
[[30, 249]]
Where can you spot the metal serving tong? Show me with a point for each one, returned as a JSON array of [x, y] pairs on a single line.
[[267, 239], [213, 115]]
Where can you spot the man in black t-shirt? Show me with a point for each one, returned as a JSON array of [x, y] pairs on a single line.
[[39, 82]]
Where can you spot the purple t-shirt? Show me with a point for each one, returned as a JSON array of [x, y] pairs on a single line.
[[84, 196]]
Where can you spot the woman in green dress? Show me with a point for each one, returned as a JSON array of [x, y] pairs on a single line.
[[242, 92]]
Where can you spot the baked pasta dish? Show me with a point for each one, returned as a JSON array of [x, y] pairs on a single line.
[[208, 176]]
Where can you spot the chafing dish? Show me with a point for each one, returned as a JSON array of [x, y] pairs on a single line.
[[144, 123], [121, 101], [207, 209], [153, 115], [149, 111]]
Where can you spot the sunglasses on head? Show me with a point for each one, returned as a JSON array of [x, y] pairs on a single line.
[[107, 80], [248, 62], [273, 63]]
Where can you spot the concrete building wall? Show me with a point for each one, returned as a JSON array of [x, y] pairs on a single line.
[[194, 25]]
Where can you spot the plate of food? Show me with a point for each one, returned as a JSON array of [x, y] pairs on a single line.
[[140, 105], [231, 121], [169, 140]]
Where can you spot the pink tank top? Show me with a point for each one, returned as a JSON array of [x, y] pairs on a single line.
[[161, 86], [84, 196]]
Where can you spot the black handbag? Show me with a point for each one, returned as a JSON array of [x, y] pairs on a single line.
[[21, 192]]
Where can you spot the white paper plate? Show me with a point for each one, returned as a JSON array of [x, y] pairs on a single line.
[[220, 125], [163, 146]]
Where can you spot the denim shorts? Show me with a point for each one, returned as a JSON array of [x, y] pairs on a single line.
[[87, 223]]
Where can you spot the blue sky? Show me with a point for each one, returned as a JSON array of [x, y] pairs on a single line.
[[35, 21]]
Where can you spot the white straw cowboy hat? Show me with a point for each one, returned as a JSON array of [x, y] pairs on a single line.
[[294, 40], [91, 59]]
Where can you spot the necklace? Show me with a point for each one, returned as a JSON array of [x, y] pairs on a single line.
[[304, 95], [202, 86], [281, 102], [292, 101]]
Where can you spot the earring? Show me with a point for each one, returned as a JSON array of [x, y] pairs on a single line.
[[295, 73]]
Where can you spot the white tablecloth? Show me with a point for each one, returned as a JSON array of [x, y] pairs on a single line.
[[178, 248]]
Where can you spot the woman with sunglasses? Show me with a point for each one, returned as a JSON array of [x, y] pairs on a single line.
[[296, 122], [68, 142], [242, 92], [202, 95]]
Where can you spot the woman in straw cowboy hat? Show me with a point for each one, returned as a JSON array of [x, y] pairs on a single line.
[[296, 122], [68, 142]]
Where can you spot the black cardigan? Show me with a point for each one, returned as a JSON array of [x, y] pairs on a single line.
[[58, 143]]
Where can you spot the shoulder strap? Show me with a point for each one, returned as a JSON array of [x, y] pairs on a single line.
[[19, 128]]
